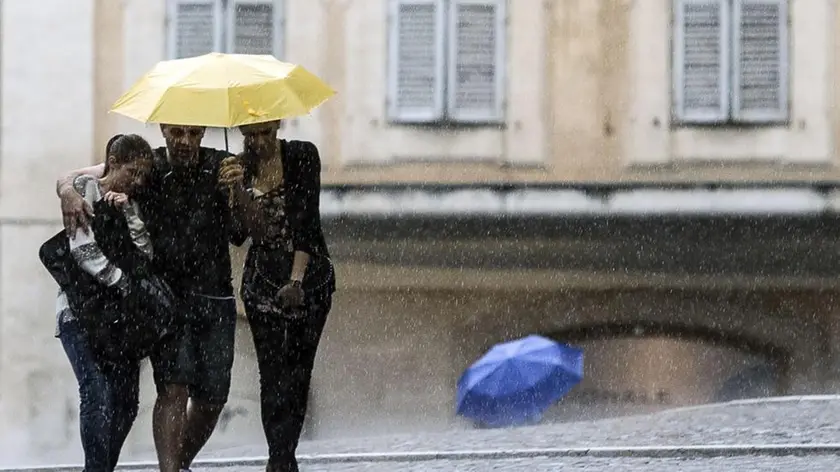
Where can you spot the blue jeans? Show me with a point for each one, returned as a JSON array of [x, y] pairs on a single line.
[[108, 398]]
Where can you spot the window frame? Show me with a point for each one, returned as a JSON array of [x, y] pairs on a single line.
[[730, 115], [437, 111], [278, 19], [444, 113], [765, 116], [681, 114], [451, 111], [172, 25], [224, 25]]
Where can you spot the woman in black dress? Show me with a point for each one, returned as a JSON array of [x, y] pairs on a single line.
[[288, 279]]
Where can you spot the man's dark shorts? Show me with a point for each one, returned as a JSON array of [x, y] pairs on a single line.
[[202, 356]]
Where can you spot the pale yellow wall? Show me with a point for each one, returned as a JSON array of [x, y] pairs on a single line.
[[834, 73], [47, 93], [109, 69], [47, 69], [345, 42], [588, 89], [367, 137], [806, 140]]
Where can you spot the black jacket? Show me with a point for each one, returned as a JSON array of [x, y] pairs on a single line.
[[188, 219], [119, 326], [302, 180], [302, 176]]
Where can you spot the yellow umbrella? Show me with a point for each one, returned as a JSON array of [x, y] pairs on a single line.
[[223, 90]]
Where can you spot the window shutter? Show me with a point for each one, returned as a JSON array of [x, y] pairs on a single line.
[[255, 27], [476, 60], [701, 60], [195, 27], [760, 61], [416, 61]]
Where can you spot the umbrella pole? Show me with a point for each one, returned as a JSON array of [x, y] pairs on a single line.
[[231, 203]]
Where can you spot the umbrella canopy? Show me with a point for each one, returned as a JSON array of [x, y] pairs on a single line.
[[223, 90], [515, 382]]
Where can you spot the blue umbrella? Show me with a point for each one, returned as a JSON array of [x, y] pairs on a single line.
[[515, 382]]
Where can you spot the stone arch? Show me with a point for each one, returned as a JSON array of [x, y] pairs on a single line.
[[773, 361], [783, 327], [721, 336]]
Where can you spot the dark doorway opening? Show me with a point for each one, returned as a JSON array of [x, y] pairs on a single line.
[[640, 367]]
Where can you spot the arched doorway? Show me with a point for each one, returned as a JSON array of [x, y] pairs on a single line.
[[640, 367]]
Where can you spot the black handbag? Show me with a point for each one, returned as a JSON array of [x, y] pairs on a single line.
[[143, 318], [55, 256], [119, 326]]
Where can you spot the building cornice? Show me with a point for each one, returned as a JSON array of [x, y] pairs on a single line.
[[580, 199]]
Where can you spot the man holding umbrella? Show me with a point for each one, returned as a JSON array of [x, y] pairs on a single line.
[[187, 217]]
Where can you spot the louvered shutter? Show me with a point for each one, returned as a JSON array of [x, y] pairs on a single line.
[[255, 27], [195, 27], [760, 79], [416, 61], [476, 60], [701, 60]]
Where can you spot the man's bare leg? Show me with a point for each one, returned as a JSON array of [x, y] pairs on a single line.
[[168, 425], [201, 421]]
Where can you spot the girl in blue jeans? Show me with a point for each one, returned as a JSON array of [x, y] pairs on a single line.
[[91, 304]]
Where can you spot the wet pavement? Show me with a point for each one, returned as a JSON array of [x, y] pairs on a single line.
[[798, 421], [804, 420], [741, 464]]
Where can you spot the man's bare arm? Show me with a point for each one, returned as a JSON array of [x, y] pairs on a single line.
[[66, 183], [75, 211]]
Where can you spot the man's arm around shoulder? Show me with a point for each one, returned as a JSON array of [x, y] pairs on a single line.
[[65, 183], [75, 211]]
